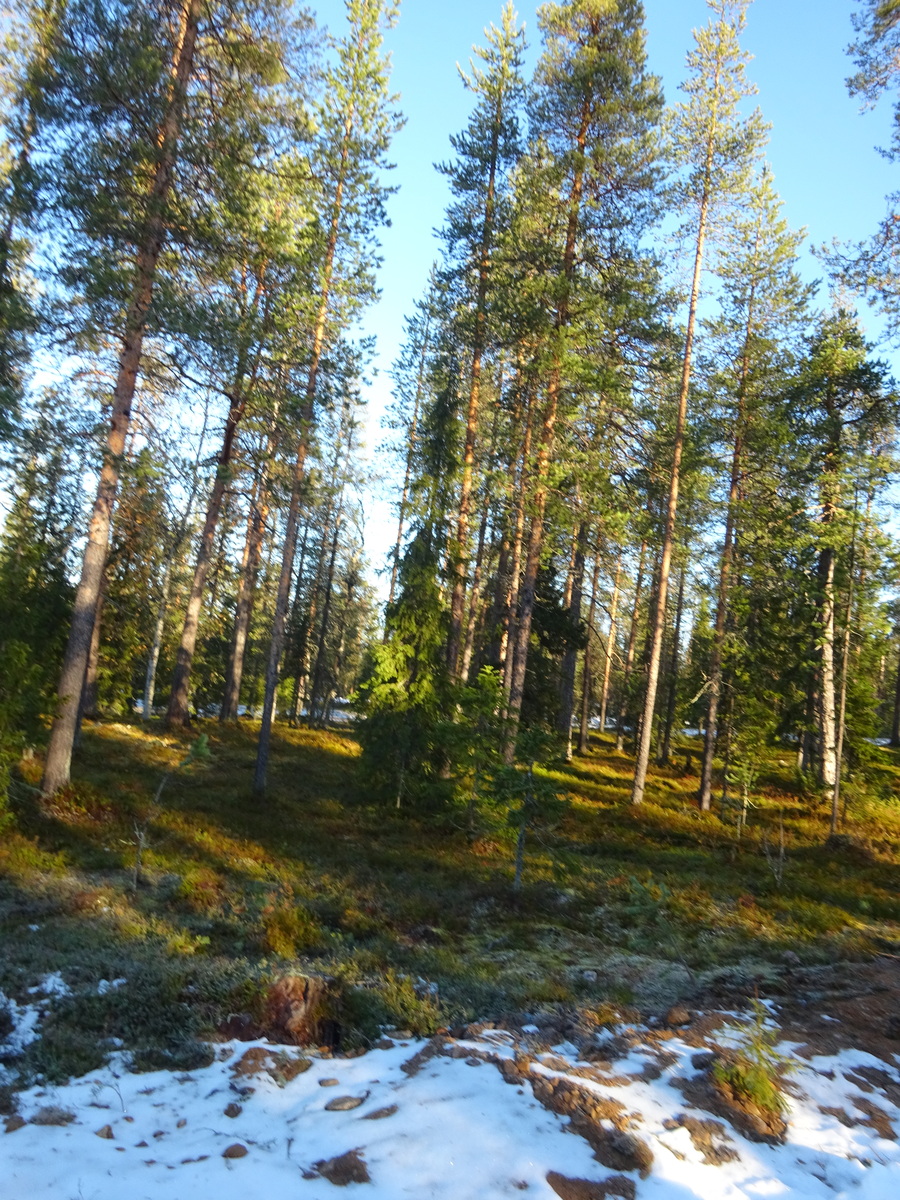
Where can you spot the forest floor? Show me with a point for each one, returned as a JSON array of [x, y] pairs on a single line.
[[647, 923]]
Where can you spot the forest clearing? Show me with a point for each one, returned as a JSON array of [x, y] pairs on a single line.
[[557, 734], [636, 933]]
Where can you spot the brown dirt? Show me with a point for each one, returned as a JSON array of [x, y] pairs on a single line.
[[712, 1096], [586, 1189], [344, 1169], [710, 1138], [862, 998]]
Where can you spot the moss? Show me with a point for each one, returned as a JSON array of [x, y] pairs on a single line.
[[232, 888]]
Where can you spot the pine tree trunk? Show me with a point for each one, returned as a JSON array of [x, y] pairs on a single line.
[[251, 558], [673, 673], [528, 590], [895, 722], [629, 651], [178, 713], [282, 597], [410, 454], [570, 658], [658, 612], [297, 697], [90, 693], [704, 792], [320, 668], [158, 629], [479, 342], [508, 638], [475, 599], [610, 646], [586, 676], [59, 751]]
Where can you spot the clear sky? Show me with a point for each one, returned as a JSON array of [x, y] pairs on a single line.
[[822, 150]]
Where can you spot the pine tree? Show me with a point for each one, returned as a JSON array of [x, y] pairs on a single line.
[[485, 152], [593, 159], [356, 123], [717, 147], [85, 65], [763, 307]]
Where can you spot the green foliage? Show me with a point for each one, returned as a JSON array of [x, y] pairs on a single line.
[[756, 1069], [531, 798], [474, 738], [393, 1001], [405, 695], [288, 928]]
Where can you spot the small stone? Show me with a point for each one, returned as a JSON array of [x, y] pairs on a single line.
[[329, 1082], [344, 1169], [380, 1113], [587, 1189], [233, 1110], [236, 1150], [106, 1132], [141, 1145], [473, 1062], [11, 1124], [344, 1103], [181, 1124]]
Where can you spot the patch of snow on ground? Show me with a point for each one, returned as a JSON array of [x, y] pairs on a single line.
[[51, 985], [23, 1019], [454, 1129]]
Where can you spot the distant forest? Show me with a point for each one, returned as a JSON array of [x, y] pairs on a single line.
[[643, 471]]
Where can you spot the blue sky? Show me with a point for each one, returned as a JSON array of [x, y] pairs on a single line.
[[822, 150]]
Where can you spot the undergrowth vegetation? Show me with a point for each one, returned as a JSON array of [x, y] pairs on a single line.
[[414, 914]]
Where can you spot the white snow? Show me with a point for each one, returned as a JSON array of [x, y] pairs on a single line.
[[51, 985], [460, 1131]]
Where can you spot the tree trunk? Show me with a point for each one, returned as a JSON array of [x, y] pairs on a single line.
[[59, 751], [178, 713], [610, 645], [90, 693], [826, 714], [895, 722], [319, 670], [158, 629], [570, 658], [508, 636], [629, 652], [845, 668], [586, 680], [475, 597], [479, 342], [410, 453], [658, 613], [673, 673], [307, 415], [528, 588], [250, 561], [704, 792]]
